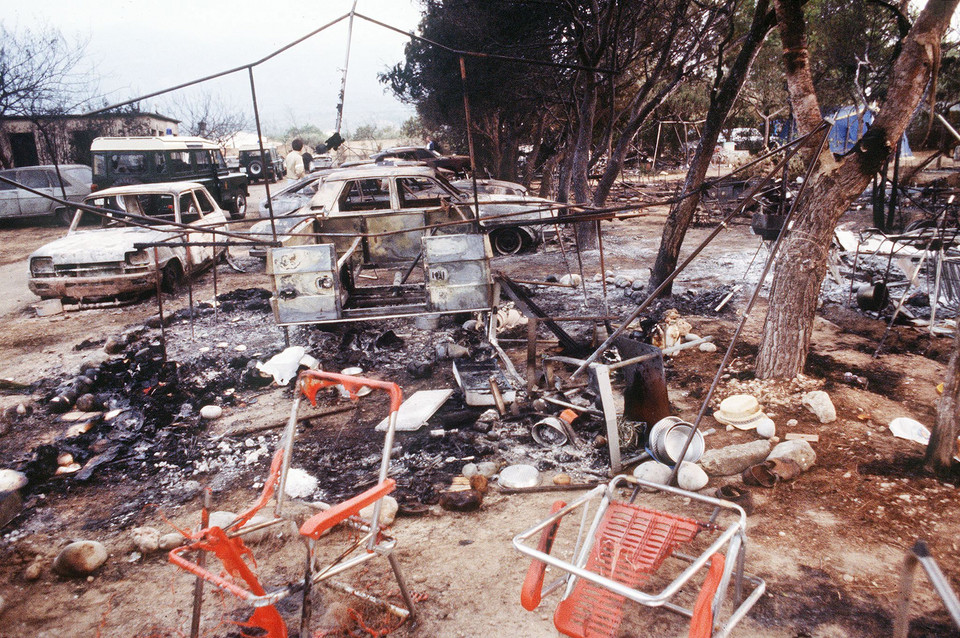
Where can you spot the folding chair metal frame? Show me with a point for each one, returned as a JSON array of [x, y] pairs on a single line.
[[227, 542], [730, 540]]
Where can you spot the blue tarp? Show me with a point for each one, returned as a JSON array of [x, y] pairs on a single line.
[[849, 125]]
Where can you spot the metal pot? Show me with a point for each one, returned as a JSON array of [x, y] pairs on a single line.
[[667, 438], [872, 296], [549, 432]]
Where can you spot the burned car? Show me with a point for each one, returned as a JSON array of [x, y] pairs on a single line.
[[103, 257], [292, 198], [363, 197]]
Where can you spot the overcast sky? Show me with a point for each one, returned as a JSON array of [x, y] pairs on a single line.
[[137, 47]]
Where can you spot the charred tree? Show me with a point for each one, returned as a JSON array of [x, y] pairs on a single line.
[[724, 95], [943, 439], [802, 261]]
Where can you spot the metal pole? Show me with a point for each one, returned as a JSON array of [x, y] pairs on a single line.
[[215, 278], [201, 561], [346, 65], [263, 153], [473, 160], [163, 330]]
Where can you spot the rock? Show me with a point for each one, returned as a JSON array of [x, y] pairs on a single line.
[[487, 469], [88, 403], [691, 477], [470, 325], [598, 277], [209, 412], [470, 469], [638, 284], [562, 479], [653, 472], [33, 571], [707, 347], [799, 450], [388, 511], [489, 416], [451, 350], [571, 280], [766, 428], [146, 539], [171, 541], [114, 345], [820, 404], [734, 459], [80, 558], [792, 423]]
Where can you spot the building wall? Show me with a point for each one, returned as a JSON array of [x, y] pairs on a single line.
[[67, 139]]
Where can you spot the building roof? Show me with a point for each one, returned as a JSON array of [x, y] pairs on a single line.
[[153, 143]]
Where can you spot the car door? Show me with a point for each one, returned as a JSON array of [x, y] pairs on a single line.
[[32, 204], [197, 209], [9, 196]]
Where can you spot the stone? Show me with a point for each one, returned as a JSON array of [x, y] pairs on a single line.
[[734, 459], [691, 477], [798, 450], [114, 345], [562, 479], [210, 412], [707, 347], [145, 539], [171, 541], [820, 404], [451, 350], [489, 416], [33, 571], [766, 428], [80, 558], [653, 472], [792, 423], [638, 284], [487, 469], [88, 403], [471, 325], [388, 511], [470, 469], [598, 277]]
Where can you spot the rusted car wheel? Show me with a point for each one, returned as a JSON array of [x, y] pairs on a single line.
[[507, 241]]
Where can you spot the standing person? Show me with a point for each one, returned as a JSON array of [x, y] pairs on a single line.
[[307, 159], [293, 163]]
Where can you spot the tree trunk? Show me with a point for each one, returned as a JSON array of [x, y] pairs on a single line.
[[943, 439], [801, 263], [681, 214], [579, 169]]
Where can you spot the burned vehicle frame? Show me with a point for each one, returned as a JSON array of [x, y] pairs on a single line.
[[108, 264]]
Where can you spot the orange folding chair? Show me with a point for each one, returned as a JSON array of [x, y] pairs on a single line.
[[227, 544], [622, 547]]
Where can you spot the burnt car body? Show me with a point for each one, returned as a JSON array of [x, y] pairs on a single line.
[[98, 260], [292, 198], [456, 164], [372, 198], [73, 184]]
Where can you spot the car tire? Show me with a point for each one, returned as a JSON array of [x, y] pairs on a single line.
[[238, 207], [255, 169], [171, 278], [64, 216], [507, 241]]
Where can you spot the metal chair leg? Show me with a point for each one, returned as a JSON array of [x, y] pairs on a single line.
[[403, 588], [306, 608]]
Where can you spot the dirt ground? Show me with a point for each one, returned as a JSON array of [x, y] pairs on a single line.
[[830, 544]]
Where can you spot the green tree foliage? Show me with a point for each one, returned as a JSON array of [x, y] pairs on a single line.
[[507, 99]]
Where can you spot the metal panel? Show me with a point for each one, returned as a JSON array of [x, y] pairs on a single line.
[[395, 247], [306, 283], [457, 272]]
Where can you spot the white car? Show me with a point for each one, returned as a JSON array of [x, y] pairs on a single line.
[[99, 258]]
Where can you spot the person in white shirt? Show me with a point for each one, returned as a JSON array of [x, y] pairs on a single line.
[[293, 163]]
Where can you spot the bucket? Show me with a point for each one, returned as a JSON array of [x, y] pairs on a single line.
[[549, 432], [872, 296], [667, 438], [353, 372]]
